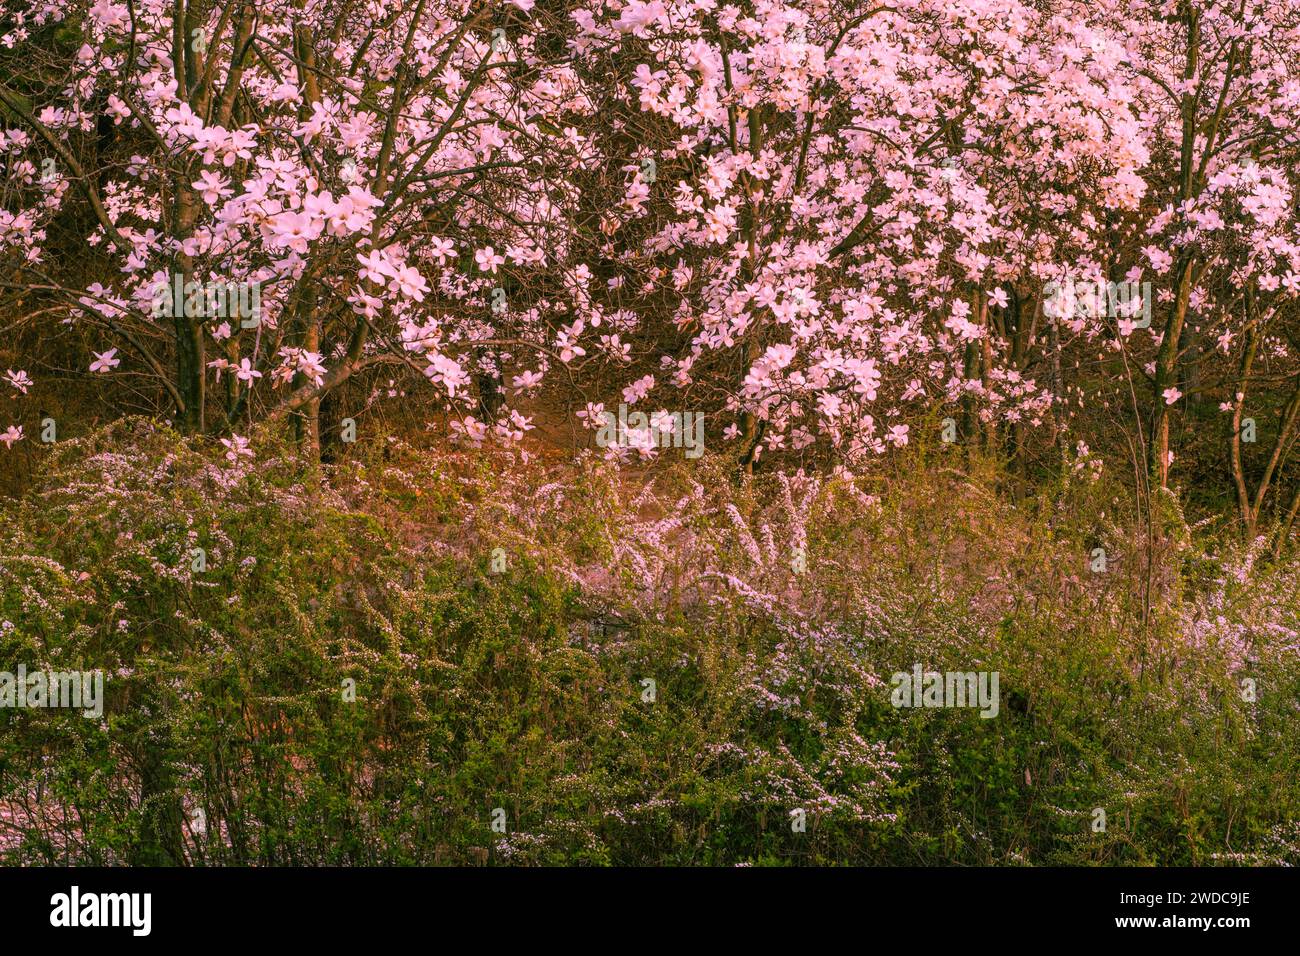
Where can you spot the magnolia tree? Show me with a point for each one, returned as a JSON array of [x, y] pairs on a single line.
[[306, 191], [1218, 88], [824, 224], [854, 193]]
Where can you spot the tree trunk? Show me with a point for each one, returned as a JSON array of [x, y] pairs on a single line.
[[1167, 376]]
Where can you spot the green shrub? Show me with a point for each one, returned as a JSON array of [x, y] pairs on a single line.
[[232, 736]]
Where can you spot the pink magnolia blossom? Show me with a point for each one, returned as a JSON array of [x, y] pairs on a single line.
[[105, 361]]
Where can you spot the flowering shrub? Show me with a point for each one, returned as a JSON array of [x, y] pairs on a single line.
[[689, 671]]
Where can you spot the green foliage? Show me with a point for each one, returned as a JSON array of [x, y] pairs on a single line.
[[230, 736]]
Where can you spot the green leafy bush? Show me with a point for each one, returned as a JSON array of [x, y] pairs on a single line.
[[691, 672]]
